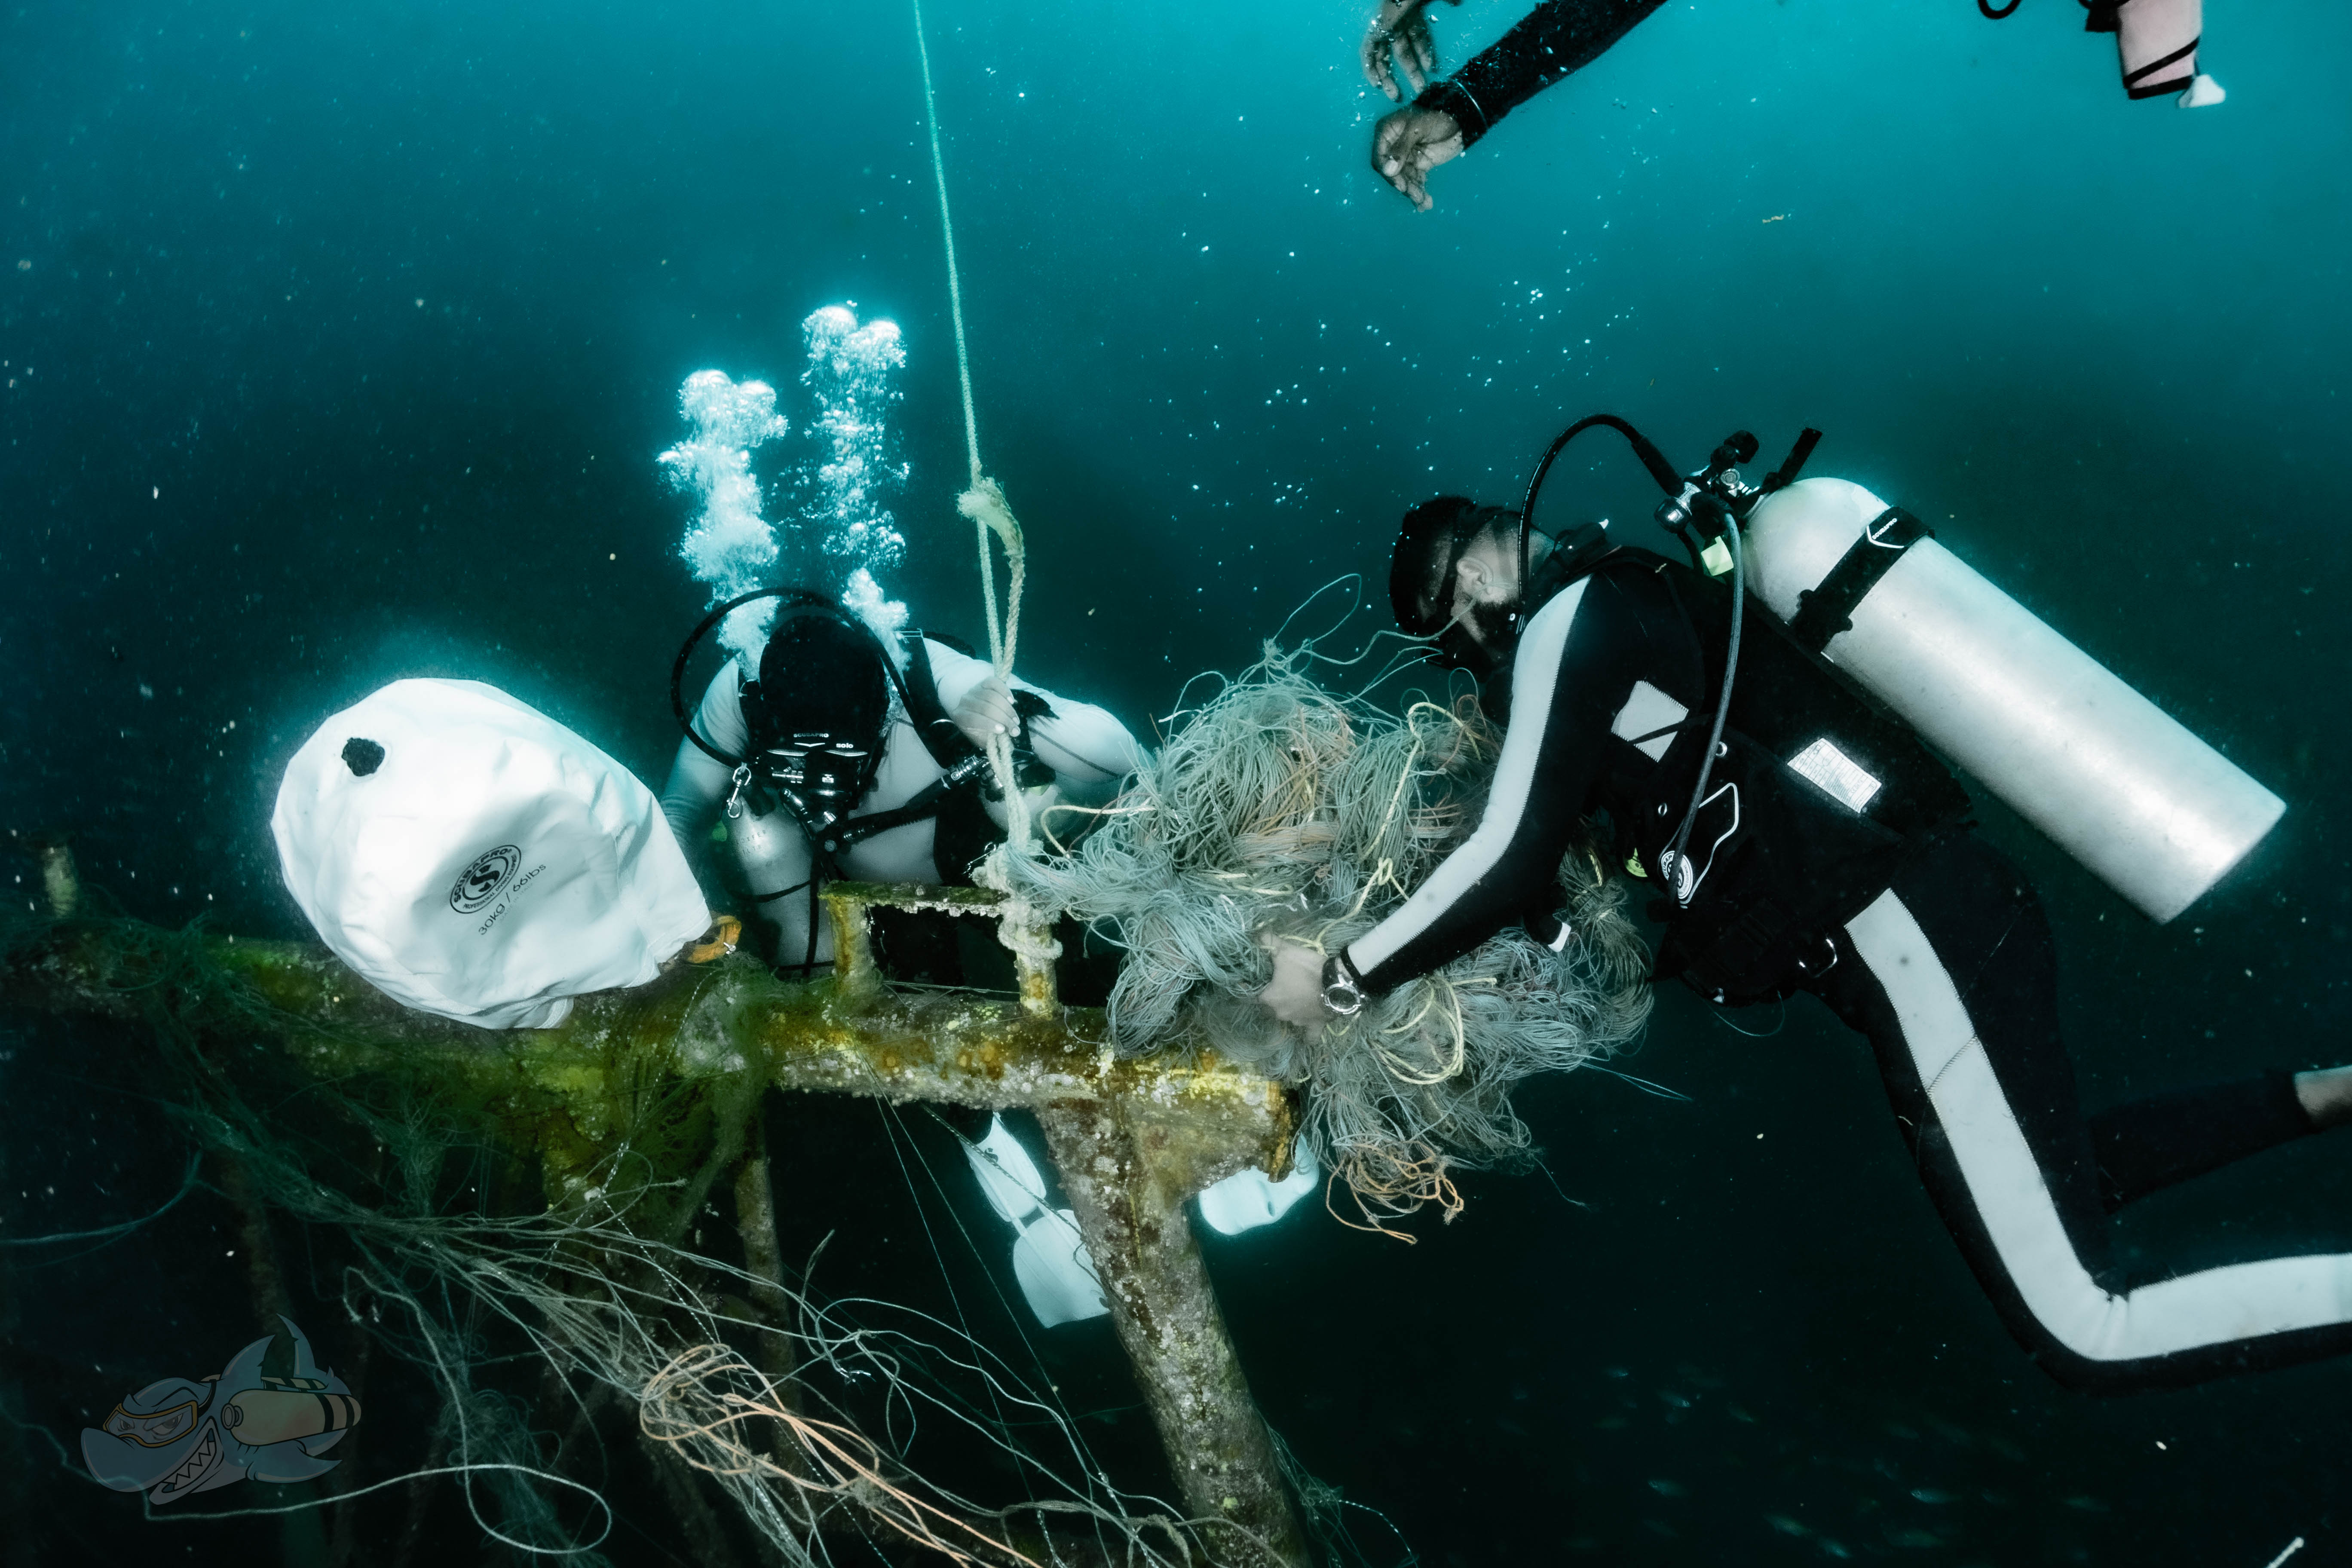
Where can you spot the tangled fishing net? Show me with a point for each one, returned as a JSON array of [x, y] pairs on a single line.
[[538, 1323], [1279, 812]]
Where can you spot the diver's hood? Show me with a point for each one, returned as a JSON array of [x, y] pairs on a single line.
[[1497, 642]]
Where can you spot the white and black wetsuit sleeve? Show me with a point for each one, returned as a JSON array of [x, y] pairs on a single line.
[[1576, 666], [699, 781], [1555, 38]]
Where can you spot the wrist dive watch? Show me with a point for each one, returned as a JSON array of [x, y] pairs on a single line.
[[1343, 988]]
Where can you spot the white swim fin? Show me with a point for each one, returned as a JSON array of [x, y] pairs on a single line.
[[1009, 1178], [1049, 1258], [1248, 1199], [2203, 93], [1057, 1279]]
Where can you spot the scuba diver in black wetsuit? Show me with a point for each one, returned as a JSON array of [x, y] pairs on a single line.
[[1737, 739], [2156, 40], [841, 760]]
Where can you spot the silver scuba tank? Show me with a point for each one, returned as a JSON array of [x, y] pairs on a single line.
[[769, 852], [2155, 812]]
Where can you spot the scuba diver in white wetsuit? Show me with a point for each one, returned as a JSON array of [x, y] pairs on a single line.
[[847, 759], [841, 760], [1775, 790]]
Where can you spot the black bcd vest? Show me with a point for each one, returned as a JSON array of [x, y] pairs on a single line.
[[1781, 862]]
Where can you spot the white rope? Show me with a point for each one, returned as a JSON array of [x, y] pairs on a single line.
[[955, 290], [976, 502], [984, 501]]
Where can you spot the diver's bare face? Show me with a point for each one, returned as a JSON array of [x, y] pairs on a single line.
[[1486, 590]]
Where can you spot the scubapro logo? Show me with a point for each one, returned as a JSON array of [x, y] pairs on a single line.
[[483, 877]]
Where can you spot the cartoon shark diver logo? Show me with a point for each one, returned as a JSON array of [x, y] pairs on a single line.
[[483, 879], [268, 1414]]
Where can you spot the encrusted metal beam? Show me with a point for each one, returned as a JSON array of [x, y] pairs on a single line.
[[1128, 1162], [1133, 1140]]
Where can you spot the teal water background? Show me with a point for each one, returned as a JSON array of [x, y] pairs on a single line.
[[340, 339]]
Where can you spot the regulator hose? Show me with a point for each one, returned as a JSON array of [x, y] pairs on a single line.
[[1661, 470], [1671, 863]]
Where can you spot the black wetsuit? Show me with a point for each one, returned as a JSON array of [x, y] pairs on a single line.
[[1832, 856], [1555, 38], [2159, 40]]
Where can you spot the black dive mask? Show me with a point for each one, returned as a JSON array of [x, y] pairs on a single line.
[[818, 715], [819, 776]]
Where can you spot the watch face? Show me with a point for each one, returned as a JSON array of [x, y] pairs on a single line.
[[1340, 994]]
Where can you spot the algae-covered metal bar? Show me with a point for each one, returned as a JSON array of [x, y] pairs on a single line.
[[1133, 1140]]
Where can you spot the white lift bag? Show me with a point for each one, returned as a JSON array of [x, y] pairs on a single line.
[[468, 856]]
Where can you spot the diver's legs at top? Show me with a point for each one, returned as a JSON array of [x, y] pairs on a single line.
[[1952, 975]]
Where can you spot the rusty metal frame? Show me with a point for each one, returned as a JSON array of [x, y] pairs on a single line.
[[1130, 1140]]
